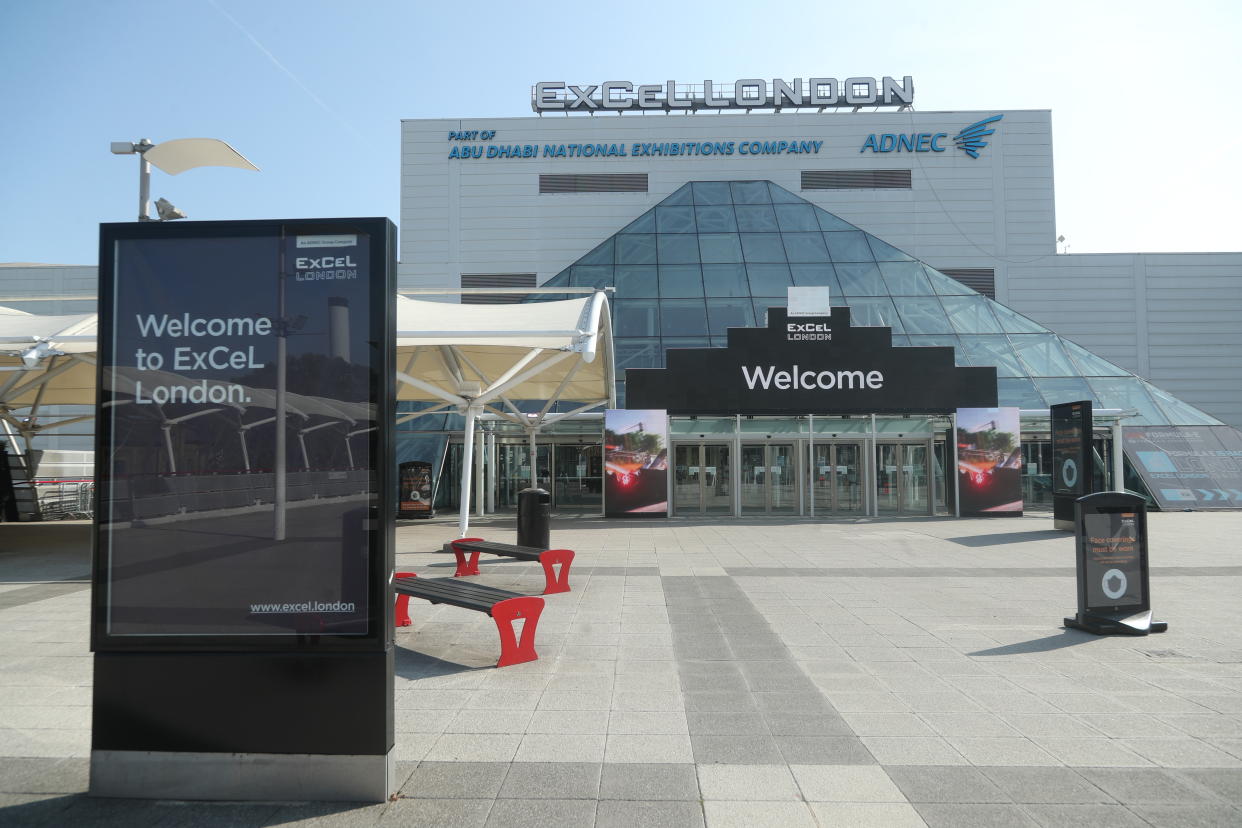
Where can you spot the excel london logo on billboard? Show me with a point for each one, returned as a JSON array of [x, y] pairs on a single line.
[[969, 140]]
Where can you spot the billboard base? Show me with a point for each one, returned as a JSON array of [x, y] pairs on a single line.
[[135, 774], [1098, 624]]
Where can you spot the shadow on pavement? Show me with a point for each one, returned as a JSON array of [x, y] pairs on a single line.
[[411, 664], [1011, 537], [1059, 641], [81, 809]]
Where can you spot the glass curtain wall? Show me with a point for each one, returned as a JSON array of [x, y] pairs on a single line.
[[718, 254]]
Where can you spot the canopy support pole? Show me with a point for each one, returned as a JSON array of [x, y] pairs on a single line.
[[1119, 458], [491, 472], [467, 468], [480, 504], [166, 427], [534, 453]]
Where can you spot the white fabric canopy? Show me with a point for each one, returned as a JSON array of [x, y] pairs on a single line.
[[489, 354], [471, 358], [44, 360], [483, 358]]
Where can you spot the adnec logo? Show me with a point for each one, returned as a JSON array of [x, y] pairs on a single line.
[[969, 140]]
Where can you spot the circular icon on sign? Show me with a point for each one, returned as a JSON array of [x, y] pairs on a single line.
[[1119, 580], [1069, 473]]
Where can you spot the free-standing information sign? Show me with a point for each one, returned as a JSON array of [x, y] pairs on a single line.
[[1071, 458], [1113, 596], [417, 490], [245, 500]]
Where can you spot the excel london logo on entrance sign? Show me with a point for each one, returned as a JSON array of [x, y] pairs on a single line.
[[969, 140]]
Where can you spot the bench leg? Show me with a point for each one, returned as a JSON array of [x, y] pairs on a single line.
[[464, 566], [401, 615], [512, 649], [556, 582]]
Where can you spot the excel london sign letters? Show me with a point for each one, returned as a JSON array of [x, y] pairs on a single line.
[[747, 93]]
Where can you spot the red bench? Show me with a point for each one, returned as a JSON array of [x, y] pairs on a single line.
[[468, 550], [503, 606]]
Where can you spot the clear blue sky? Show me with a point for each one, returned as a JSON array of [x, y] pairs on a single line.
[[1146, 124]]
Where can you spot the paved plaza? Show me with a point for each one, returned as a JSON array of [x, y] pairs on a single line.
[[901, 672]]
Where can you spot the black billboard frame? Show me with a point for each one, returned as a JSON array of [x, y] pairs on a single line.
[[1076, 449], [244, 712], [1114, 616]]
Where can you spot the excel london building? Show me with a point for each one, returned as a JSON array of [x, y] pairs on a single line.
[[697, 206]]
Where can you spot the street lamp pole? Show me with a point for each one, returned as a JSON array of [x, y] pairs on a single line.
[[175, 157], [144, 179]]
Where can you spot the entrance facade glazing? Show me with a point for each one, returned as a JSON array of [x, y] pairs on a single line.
[[810, 467]]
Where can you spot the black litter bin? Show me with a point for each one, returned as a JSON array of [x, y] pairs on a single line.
[[534, 511]]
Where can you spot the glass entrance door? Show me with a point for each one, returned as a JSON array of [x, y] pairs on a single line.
[[577, 484], [701, 479], [514, 471], [902, 477], [837, 479], [769, 479]]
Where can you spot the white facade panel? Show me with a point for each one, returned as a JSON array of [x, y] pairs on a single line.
[[1174, 319], [954, 213]]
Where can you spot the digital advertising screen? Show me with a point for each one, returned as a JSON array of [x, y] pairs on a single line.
[[1071, 448], [416, 489], [989, 461], [635, 463], [1113, 564], [242, 418]]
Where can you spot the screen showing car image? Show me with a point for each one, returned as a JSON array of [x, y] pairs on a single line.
[[635, 463], [989, 461]]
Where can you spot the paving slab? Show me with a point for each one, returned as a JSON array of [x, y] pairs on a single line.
[[752, 672]]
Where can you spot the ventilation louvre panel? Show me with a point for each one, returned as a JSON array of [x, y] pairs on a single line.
[[981, 279], [856, 179], [496, 280], [593, 183]]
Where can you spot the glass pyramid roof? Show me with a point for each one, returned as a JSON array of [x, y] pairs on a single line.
[[717, 254]]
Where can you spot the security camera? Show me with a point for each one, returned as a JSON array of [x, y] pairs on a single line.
[[166, 211]]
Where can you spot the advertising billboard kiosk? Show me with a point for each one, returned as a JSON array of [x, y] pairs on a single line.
[[1072, 431], [241, 607], [417, 490], [1113, 595]]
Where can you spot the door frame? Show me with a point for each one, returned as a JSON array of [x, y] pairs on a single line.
[[928, 446], [799, 475], [702, 445], [814, 507]]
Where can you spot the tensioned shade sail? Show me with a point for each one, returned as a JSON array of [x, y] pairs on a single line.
[[538, 351], [440, 344], [61, 349]]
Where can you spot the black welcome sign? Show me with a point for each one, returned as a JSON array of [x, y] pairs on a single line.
[[811, 365]]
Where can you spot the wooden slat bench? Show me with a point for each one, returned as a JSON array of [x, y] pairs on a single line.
[[554, 581], [503, 606]]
